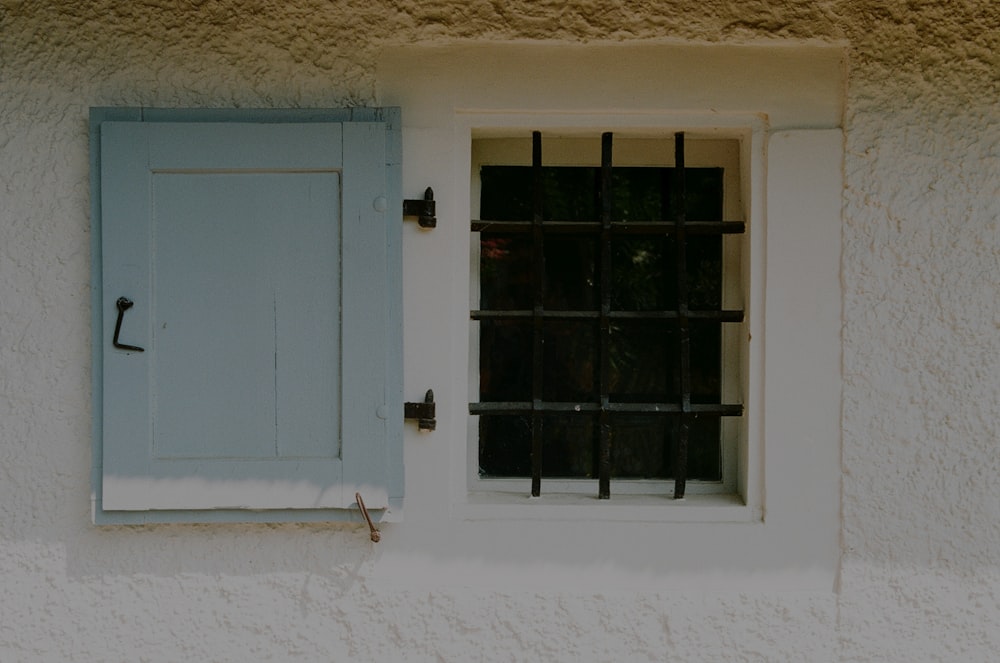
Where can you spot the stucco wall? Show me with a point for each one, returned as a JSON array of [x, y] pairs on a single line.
[[919, 576]]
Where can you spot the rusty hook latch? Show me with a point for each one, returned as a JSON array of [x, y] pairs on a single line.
[[376, 535]]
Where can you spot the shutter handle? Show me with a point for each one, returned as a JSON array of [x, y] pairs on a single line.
[[123, 305]]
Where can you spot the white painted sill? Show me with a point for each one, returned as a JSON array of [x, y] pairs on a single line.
[[500, 505]]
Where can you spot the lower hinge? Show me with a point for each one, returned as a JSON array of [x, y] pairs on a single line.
[[424, 412], [424, 210]]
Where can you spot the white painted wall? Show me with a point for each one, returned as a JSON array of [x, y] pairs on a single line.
[[783, 534], [917, 573]]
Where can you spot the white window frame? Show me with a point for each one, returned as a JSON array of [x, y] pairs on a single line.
[[790, 97], [642, 140]]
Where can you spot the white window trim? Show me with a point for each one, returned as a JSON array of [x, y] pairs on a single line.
[[733, 490], [791, 98]]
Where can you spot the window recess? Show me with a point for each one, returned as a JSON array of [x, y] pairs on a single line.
[[607, 343]]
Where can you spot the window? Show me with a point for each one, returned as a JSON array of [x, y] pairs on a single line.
[[779, 108], [608, 313], [246, 314]]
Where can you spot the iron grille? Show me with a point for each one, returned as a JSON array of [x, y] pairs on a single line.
[[602, 408]]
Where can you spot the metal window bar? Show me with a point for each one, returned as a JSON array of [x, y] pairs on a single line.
[[538, 330], [617, 227], [684, 411], [555, 407], [683, 322], [604, 418]]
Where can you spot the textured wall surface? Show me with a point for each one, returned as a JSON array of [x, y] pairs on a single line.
[[920, 567]]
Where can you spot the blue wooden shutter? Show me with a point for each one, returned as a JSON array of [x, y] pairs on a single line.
[[258, 257]]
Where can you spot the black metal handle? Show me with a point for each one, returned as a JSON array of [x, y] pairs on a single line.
[[123, 305]]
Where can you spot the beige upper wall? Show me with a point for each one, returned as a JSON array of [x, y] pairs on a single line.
[[957, 42]]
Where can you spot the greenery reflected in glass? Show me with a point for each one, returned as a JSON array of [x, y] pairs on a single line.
[[644, 361]]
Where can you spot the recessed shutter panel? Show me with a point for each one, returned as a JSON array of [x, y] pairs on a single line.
[[255, 257]]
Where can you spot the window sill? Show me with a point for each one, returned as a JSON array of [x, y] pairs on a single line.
[[627, 508]]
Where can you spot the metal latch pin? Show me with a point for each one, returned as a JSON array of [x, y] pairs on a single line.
[[376, 535]]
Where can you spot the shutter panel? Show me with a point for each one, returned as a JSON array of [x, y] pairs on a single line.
[[256, 255]]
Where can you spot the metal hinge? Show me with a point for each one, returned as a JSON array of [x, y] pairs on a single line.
[[424, 210], [424, 412]]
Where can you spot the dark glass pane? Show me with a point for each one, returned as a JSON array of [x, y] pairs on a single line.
[[505, 272], [505, 361], [644, 358], [570, 193], [646, 194], [567, 451], [704, 272], [640, 447], [506, 193], [568, 448], [706, 360], [570, 361], [504, 446], [704, 449], [645, 447], [704, 193], [644, 355], [637, 194], [570, 279], [642, 274]]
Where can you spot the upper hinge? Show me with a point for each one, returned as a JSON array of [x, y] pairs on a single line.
[[423, 209]]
